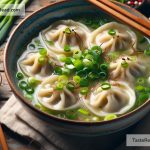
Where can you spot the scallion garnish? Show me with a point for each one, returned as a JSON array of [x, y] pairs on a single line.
[[84, 83], [59, 86], [70, 86], [67, 48], [124, 64], [29, 90], [77, 54], [23, 85], [77, 79], [140, 81], [110, 117], [43, 52], [105, 86], [67, 31], [112, 32], [19, 75], [84, 90], [83, 111], [42, 60]]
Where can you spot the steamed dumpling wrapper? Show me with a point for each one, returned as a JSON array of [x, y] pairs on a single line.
[[65, 32], [123, 39], [30, 66], [119, 99], [53, 99], [128, 68]]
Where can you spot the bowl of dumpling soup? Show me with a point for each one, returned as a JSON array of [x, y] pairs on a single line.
[[79, 69]]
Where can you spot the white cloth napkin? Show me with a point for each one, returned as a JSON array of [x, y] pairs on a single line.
[[25, 124]]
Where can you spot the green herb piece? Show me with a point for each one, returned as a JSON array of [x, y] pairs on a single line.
[[33, 81], [84, 90], [70, 86], [98, 49], [77, 79], [28, 96], [63, 79], [83, 111], [29, 90], [87, 63], [67, 48], [147, 52], [77, 54], [104, 67], [62, 58], [95, 118], [67, 31], [42, 60], [112, 32], [110, 117], [59, 86], [124, 64], [140, 81], [19, 75], [78, 64], [103, 75], [71, 115], [58, 71], [139, 88], [84, 83], [23, 85], [68, 60], [66, 71], [51, 43], [143, 97], [43, 52], [105, 86]]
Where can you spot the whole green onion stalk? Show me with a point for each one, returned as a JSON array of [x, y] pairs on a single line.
[[6, 22]]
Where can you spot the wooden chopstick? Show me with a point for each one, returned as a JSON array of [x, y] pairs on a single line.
[[145, 22], [118, 15], [3, 139]]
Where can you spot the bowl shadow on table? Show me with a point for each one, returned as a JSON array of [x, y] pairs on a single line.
[[114, 141]]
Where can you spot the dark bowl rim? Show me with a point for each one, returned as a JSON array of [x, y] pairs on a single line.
[[52, 117]]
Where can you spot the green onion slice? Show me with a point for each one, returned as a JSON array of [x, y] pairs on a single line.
[[110, 117], [112, 32], [105, 86]]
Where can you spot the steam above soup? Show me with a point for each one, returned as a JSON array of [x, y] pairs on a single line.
[[76, 72]]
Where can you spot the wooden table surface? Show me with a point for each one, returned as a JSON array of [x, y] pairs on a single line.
[[5, 91]]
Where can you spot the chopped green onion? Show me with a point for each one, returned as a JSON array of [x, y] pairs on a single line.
[[51, 43], [105, 86], [77, 79], [112, 32], [147, 89], [33, 81], [28, 96], [29, 90], [70, 86], [32, 46], [67, 31], [110, 117], [84, 90], [93, 76], [58, 70], [143, 97], [84, 83], [97, 48], [87, 63], [71, 115], [23, 85], [77, 54], [68, 60], [59, 86], [62, 58], [124, 64], [147, 52], [139, 88], [70, 66], [104, 67], [42, 60], [103, 75], [43, 52], [83, 111], [19, 75], [140, 81], [78, 64], [67, 48], [66, 71], [63, 79]]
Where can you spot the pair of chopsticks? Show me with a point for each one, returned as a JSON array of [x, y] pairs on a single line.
[[3, 139], [143, 25]]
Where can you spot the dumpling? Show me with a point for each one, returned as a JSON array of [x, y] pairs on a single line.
[[54, 99], [29, 64], [127, 68], [119, 99], [65, 32], [123, 39]]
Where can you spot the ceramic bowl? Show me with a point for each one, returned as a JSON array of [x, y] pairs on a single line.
[[25, 32]]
